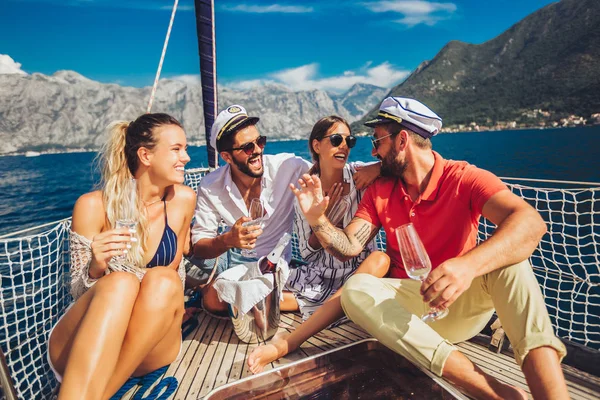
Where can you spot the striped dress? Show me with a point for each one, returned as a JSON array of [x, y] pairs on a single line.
[[314, 283]]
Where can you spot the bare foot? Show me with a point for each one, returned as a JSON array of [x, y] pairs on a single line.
[[266, 353]]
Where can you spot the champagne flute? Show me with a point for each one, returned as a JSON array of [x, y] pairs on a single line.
[[256, 212], [127, 211], [416, 263]]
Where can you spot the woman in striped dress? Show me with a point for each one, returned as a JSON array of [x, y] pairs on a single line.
[[314, 288]]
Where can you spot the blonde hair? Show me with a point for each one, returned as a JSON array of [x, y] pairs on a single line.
[[119, 162]]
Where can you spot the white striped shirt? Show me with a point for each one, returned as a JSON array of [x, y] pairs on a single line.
[[314, 283]]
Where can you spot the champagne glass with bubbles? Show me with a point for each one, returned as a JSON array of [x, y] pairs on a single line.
[[256, 212], [127, 210], [416, 263]]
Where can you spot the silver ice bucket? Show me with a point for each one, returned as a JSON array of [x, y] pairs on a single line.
[[262, 321]]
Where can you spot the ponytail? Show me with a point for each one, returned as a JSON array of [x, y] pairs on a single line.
[[116, 177], [119, 163]]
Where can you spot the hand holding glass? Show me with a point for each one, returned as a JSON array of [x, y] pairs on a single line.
[[127, 211], [256, 212], [416, 263]]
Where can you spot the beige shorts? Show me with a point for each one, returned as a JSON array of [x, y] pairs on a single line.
[[390, 310]]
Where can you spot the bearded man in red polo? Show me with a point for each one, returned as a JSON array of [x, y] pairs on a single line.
[[444, 201]]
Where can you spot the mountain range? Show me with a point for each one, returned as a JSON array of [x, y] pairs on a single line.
[[66, 111], [542, 69]]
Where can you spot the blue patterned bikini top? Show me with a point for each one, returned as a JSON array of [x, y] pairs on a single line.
[[167, 248]]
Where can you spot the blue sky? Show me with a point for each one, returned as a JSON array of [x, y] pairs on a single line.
[[303, 44]]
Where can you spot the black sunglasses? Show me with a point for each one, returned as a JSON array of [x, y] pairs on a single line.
[[336, 139], [248, 148]]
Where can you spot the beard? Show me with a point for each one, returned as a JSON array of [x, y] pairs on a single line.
[[391, 167], [245, 168]]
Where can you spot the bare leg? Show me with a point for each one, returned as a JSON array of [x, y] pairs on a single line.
[[210, 300], [85, 345], [153, 336], [376, 264], [476, 383], [289, 302], [544, 374]]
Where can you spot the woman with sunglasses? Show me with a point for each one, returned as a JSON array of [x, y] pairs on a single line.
[[315, 288]]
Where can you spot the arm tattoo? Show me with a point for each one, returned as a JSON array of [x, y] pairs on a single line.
[[340, 247], [363, 235], [333, 240], [320, 227]]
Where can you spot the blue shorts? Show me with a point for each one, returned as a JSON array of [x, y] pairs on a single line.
[[203, 268]]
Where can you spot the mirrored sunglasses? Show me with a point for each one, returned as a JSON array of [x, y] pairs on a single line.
[[336, 140], [248, 148]]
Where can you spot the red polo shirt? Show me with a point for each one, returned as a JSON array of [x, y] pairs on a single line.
[[446, 215]]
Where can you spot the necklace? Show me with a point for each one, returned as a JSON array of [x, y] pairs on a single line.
[[148, 204]]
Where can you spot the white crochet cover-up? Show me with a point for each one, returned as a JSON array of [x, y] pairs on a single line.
[[81, 257]]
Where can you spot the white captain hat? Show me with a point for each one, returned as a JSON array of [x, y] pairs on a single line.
[[409, 113], [229, 121]]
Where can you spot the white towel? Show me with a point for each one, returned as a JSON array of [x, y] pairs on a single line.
[[244, 285]]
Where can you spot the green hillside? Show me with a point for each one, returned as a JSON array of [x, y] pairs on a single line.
[[549, 61]]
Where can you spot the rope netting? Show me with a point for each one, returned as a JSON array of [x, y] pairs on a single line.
[[34, 269], [35, 292], [567, 260]]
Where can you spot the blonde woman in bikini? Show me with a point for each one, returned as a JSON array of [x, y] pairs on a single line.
[[123, 323]]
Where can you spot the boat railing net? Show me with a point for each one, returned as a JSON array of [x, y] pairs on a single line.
[[34, 268], [35, 292], [567, 260]]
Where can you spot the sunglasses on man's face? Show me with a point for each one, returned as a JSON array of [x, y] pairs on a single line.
[[376, 141], [248, 148], [336, 140]]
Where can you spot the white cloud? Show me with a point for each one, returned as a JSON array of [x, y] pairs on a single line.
[[300, 78], [414, 12], [306, 78], [190, 79], [194, 79], [10, 66], [385, 75], [272, 8]]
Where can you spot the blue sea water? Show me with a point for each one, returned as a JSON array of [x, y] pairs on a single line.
[[43, 189]]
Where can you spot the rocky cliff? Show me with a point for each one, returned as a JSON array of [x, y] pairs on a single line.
[[67, 111]]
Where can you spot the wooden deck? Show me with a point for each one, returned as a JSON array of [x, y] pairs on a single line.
[[212, 356]]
